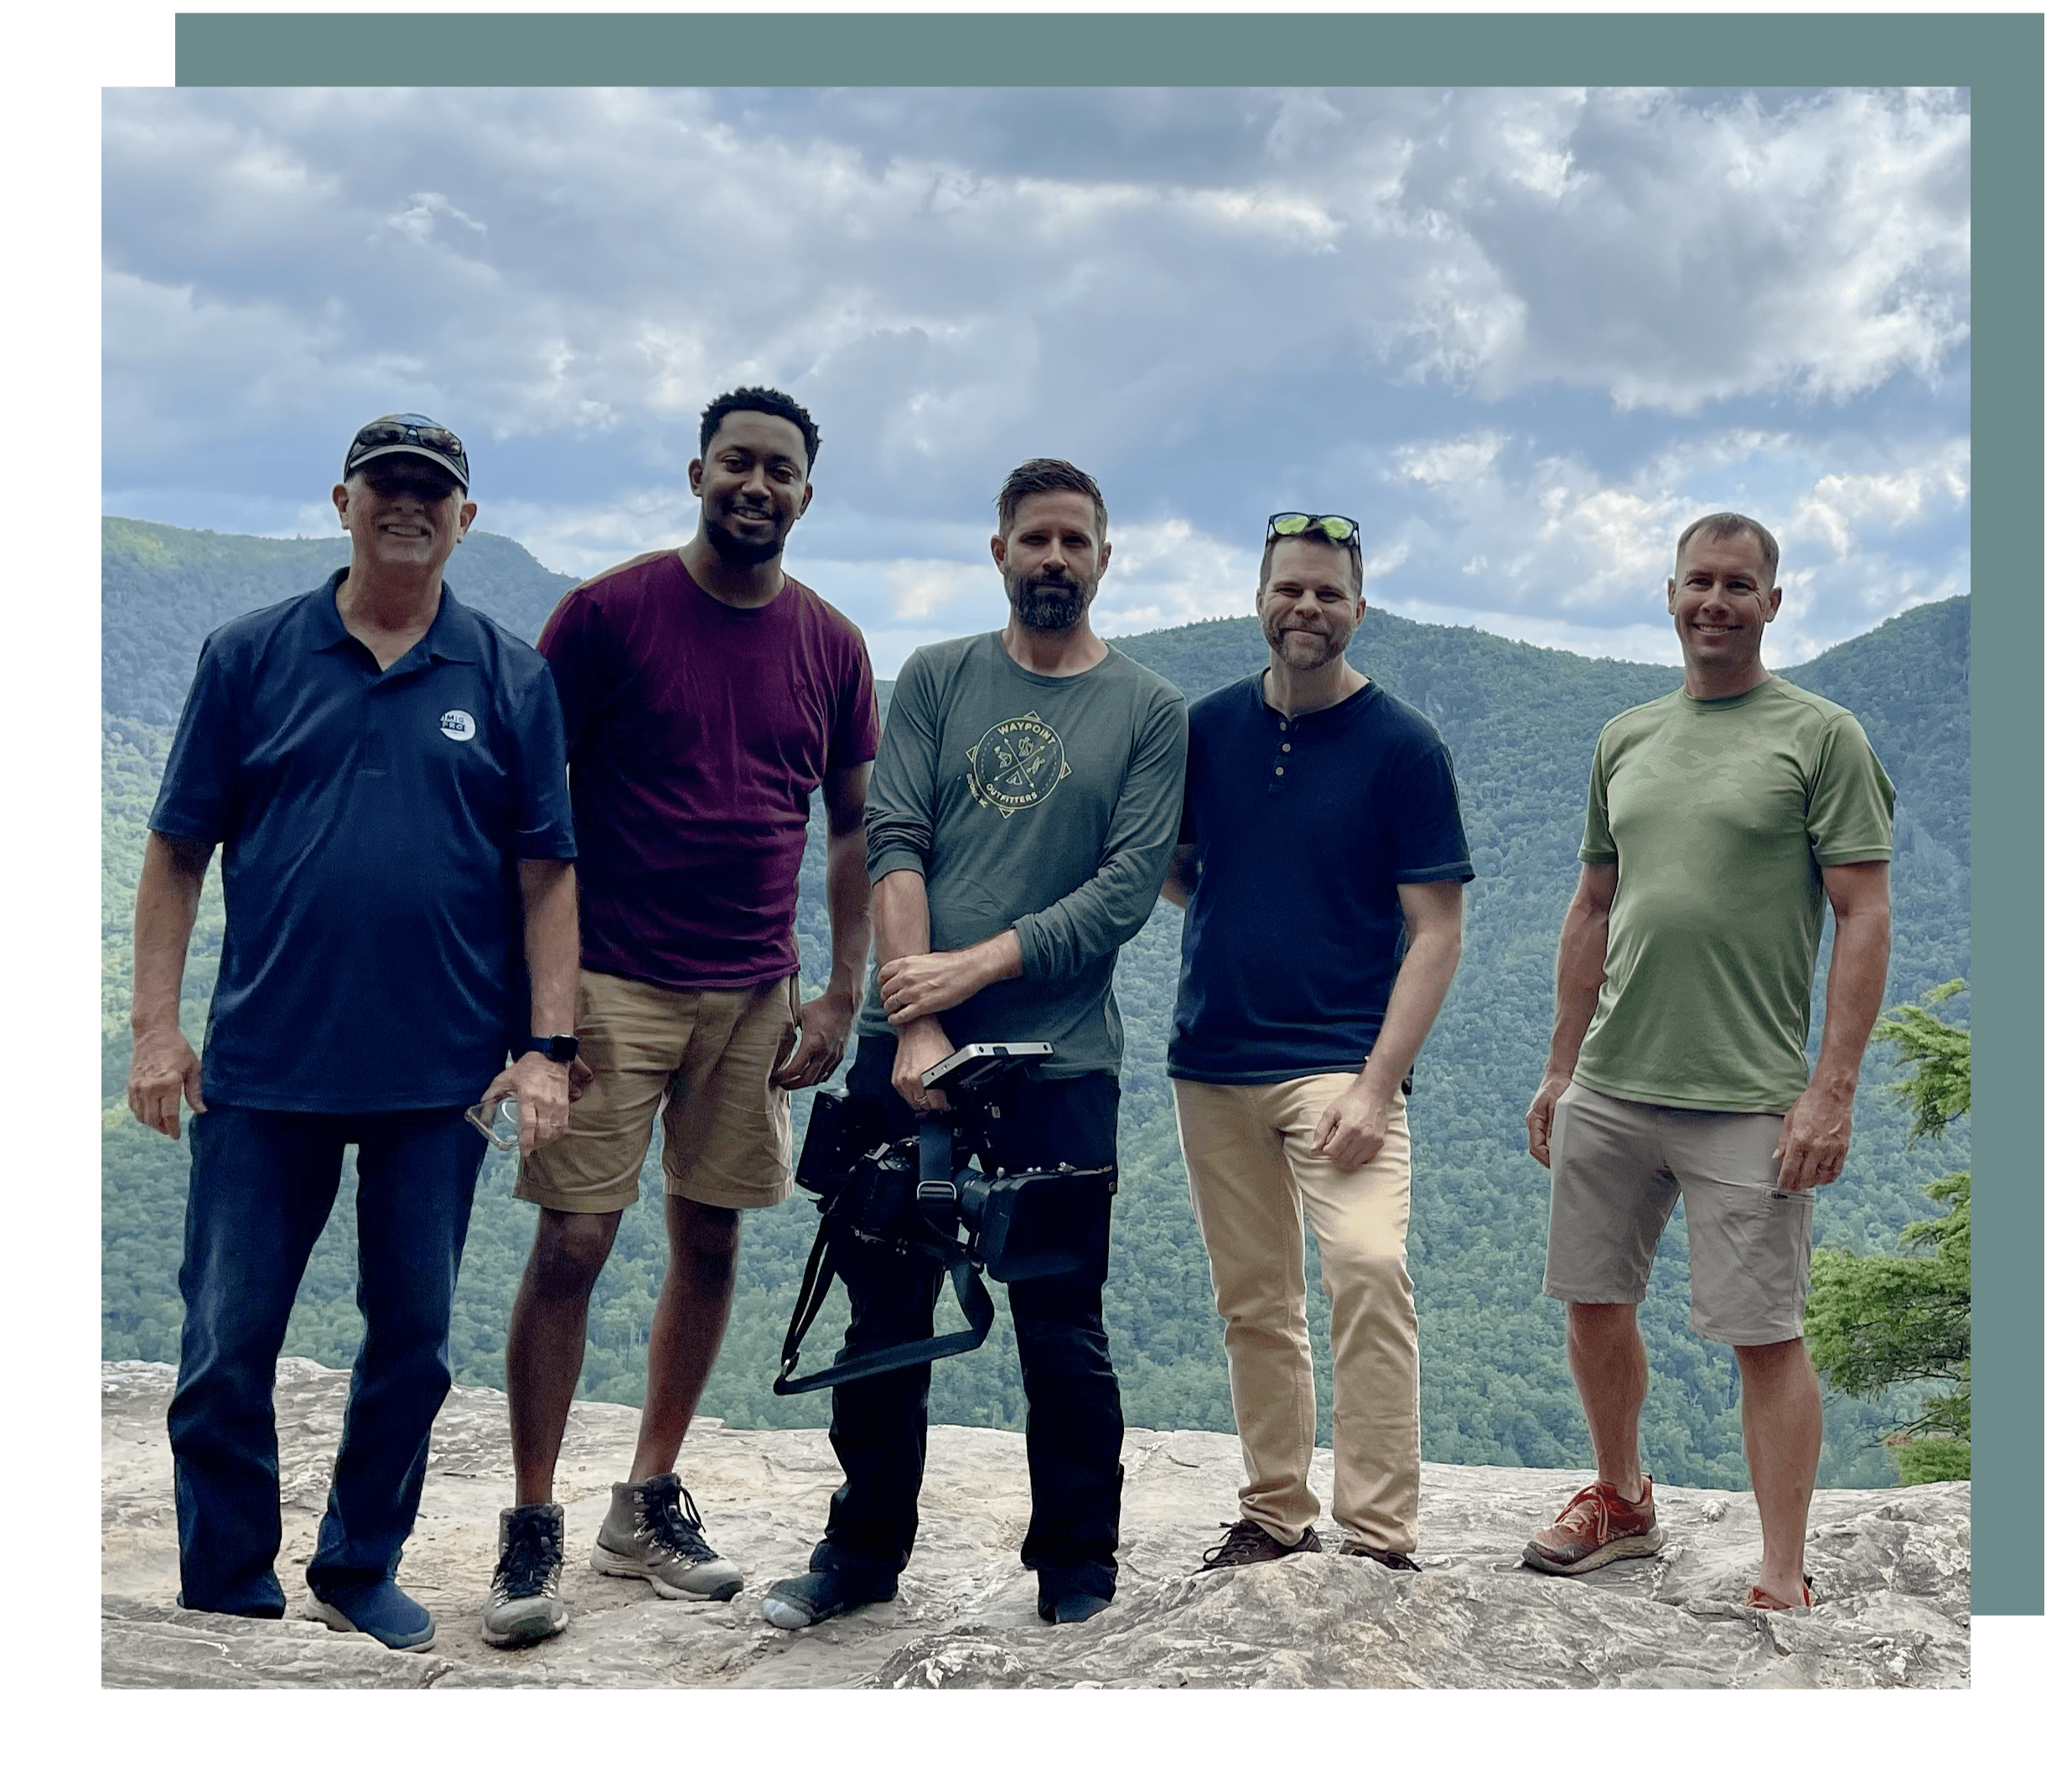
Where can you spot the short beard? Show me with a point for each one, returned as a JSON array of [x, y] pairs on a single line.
[[737, 553], [1047, 604], [1334, 645]]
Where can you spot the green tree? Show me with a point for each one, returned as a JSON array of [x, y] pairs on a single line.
[[1876, 1322]]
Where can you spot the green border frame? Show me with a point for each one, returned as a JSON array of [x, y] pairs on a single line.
[[1999, 56]]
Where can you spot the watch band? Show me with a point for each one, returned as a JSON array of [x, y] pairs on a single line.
[[561, 1047]]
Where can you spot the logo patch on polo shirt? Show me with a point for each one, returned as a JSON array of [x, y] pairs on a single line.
[[1017, 764], [457, 724]]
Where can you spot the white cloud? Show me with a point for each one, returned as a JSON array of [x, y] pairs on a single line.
[[1523, 335]]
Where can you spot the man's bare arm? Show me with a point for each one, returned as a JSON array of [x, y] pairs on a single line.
[[553, 960], [1353, 1131], [899, 922], [825, 1023], [163, 1066], [1578, 974], [1182, 874], [916, 982], [1815, 1140]]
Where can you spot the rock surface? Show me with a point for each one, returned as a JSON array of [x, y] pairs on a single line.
[[1891, 1570]]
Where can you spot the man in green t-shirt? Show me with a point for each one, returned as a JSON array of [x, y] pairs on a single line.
[[1722, 818]]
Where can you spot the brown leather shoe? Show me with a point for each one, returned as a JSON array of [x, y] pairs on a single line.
[[1250, 1543], [1389, 1557], [1596, 1527]]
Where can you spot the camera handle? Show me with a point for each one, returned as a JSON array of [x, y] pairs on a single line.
[[936, 1198]]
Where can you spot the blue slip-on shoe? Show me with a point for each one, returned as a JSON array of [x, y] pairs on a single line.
[[815, 1596], [1075, 1606], [384, 1610]]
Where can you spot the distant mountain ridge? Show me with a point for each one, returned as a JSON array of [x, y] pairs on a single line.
[[164, 589]]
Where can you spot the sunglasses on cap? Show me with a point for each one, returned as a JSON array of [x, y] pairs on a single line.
[[408, 433], [1300, 524]]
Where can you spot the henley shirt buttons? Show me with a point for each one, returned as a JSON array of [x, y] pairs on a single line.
[[1278, 770], [1286, 747]]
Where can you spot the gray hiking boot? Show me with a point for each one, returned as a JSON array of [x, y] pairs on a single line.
[[524, 1602], [653, 1532]]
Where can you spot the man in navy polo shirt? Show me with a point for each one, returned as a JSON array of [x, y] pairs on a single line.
[[1321, 864], [383, 768]]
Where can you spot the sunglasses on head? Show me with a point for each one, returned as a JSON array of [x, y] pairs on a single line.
[[1300, 524], [382, 432]]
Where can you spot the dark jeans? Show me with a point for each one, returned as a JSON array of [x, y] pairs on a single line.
[[260, 1189], [880, 1429]]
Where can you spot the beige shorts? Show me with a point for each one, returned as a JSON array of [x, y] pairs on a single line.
[[1618, 1168], [704, 1059]]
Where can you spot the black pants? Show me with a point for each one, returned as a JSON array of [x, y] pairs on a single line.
[[261, 1189], [880, 1431]]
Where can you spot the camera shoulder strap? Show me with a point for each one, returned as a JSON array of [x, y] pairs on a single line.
[[968, 1284]]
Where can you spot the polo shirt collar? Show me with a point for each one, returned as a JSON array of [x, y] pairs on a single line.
[[451, 636]]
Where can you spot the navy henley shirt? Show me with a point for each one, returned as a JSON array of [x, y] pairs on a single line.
[[372, 824], [1303, 825]]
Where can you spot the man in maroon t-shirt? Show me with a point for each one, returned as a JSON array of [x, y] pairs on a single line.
[[707, 695]]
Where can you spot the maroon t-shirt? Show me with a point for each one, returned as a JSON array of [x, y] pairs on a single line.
[[697, 735]]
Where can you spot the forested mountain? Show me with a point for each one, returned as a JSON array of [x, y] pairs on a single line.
[[1520, 722]]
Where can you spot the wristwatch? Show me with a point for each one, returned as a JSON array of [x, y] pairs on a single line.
[[562, 1048]]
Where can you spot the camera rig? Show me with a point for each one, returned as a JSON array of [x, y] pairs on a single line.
[[940, 1193]]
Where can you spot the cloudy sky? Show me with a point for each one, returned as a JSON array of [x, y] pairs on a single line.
[[1523, 336]]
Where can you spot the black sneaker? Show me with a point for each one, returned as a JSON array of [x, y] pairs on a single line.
[[1383, 1557], [1250, 1543], [653, 1531], [524, 1602], [815, 1596]]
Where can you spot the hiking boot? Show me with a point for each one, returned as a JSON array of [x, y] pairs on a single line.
[[1250, 1543], [815, 1596], [1388, 1557], [653, 1531], [384, 1610], [524, 1602], [1596, 1527]]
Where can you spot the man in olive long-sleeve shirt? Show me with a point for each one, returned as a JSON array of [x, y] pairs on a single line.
[[1025, 803]]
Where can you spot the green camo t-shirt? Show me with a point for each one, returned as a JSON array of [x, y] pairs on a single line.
[[1720, 815], [1045, 805]]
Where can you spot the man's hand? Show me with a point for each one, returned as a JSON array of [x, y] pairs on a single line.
[[1539, 1118], [824, 1025], [922, 1044], [540, 1086], [924, 983], [1816, 1138], [580, 1074], [1353, 1131], [163, 1067]]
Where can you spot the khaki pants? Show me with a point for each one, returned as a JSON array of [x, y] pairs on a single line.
[[1254, 1179]]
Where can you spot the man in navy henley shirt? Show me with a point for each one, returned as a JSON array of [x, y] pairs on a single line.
[[1321, 864]]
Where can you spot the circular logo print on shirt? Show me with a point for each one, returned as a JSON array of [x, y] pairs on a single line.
[[457, 724], [1017, 764]]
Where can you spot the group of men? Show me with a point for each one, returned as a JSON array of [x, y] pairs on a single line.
[[405, 793]]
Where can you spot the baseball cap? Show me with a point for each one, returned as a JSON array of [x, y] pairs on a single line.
[[407, 434]]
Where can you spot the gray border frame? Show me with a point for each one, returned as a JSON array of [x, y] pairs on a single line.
[[1999, 57]]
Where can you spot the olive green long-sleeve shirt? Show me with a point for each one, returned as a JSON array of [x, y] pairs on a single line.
[[1048, 804]]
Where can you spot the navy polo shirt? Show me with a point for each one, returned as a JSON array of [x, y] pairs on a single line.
[[1303, 825], [372, 824]]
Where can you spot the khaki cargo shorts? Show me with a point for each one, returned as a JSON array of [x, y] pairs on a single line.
[[1618, 1168], [703, 1059]]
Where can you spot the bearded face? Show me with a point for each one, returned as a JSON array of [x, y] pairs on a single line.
[[1048, 601]]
